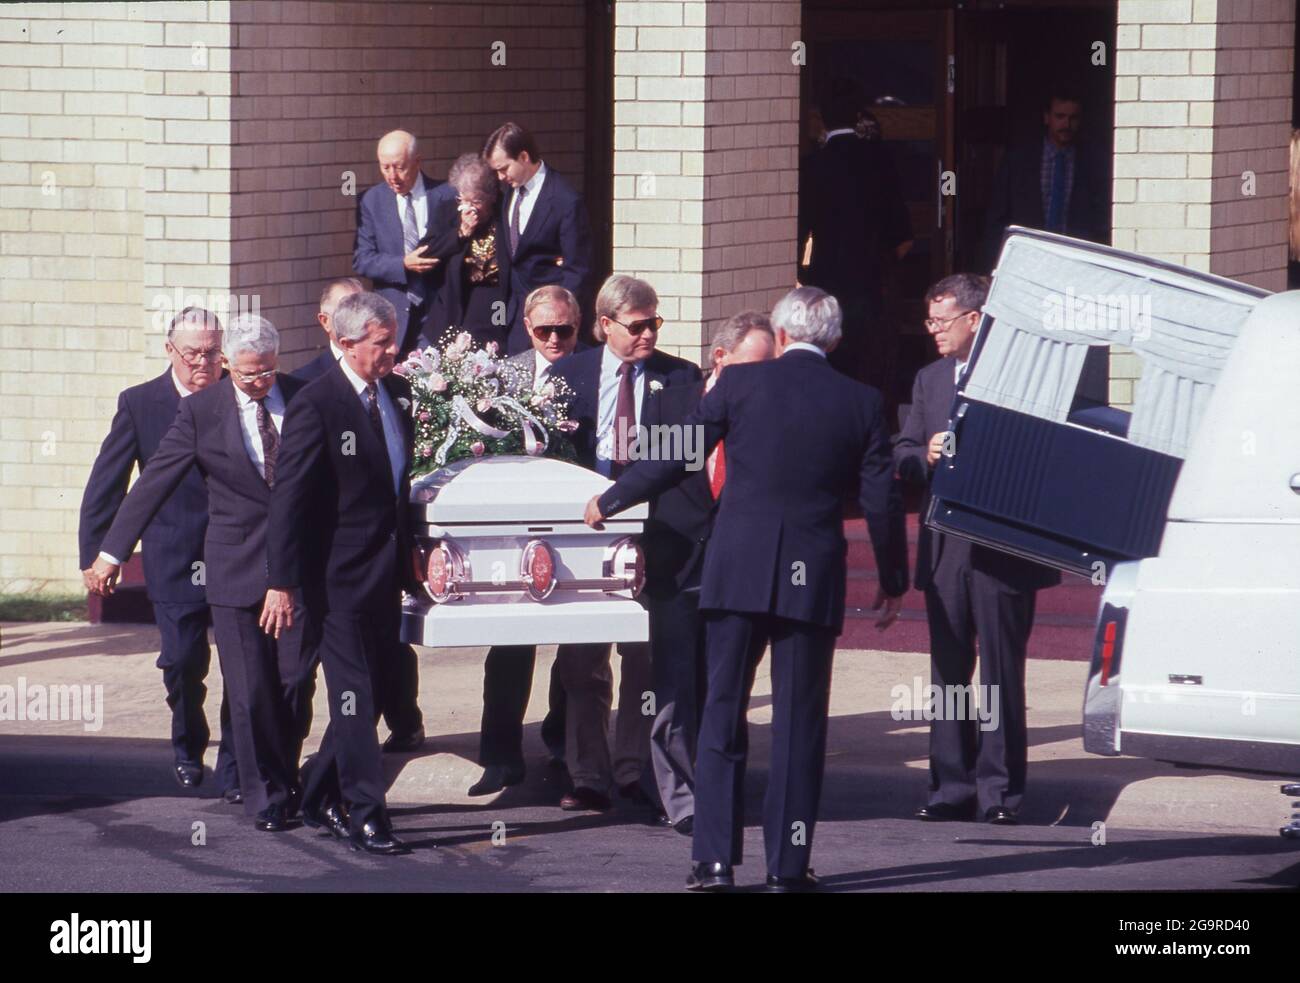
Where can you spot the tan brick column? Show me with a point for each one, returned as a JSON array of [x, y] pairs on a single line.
[[706, 157]]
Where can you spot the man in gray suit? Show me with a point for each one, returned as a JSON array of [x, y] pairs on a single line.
[[970, 592], [551, 316]]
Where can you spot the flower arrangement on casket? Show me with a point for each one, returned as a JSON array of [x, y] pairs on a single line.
[[469, 404]]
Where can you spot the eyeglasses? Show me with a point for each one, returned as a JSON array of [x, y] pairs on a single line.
[[561, 331], [933, 322], [191, 357], [248, 380], [636, 327]]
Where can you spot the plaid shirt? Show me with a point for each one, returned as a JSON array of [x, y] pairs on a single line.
[[1045, 181]]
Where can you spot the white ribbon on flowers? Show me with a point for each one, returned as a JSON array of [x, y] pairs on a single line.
[[461, 406], [528, 421]]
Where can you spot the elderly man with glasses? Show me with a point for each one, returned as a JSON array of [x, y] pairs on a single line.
[[242, 412], [174, 572], [618, 387]]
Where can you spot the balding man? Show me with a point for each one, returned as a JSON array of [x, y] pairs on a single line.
[[334, 291], [392, 217]]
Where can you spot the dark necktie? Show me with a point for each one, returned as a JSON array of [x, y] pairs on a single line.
[[270, 441], [1056, 200], [624, 419], [514, 218], [377, 423], [411, 239]]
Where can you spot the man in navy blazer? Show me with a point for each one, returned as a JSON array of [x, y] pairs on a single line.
[[229, 433], [970, 592], [617, 388], [542, 224], [339, 540], [392, 217], [334, 291], [798, 437], [173, 542]]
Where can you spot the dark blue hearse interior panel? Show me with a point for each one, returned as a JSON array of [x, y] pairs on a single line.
[[1041, 465], [1064, 495]]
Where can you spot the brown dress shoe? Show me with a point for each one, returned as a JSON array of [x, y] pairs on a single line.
[[585, 800]]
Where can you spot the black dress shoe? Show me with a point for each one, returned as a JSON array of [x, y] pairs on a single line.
[[188, 775], [583, 799], [330, 819], [685, 826], [233, 796], [495, 778], [292, 801], [791, 885], [272, 819], [710, 877], [406, 742], [943, 812], [634, 793], [661, 819], [1000, 816], [377, 838]]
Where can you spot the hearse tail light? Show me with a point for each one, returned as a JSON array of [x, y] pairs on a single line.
[[1108, 646], [447, 568], [1107, 650], [624, 561], [537, 569], [419, 563]]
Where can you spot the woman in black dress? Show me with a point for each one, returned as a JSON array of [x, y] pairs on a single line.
[[463, 234]]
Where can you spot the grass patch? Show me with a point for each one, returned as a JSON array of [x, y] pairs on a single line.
[[43, 607]]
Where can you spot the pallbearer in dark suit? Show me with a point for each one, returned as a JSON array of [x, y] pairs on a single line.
[[970, 592], [173, 542], [334, 291], [675, 538], [552, 316], [339, 540], [392, 217], [798, 437], [617, 388], [542, 225], [230, 432]]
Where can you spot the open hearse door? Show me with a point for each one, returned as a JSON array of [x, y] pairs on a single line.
[[1186, 506]]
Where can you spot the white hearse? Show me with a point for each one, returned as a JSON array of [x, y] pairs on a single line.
[[505, 558], [1186, 505]]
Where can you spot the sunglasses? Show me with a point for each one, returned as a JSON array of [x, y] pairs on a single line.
[[562, 331], [636, 327]]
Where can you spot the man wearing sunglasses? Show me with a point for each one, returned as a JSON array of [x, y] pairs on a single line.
[[552, 316], [173, 541], [230, 434], [618, 387]]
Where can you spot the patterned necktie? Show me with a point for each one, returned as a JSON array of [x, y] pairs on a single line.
[[520, 195], [624, 419], [377, 422], [1056, 201], [411, 239], [270, 441], [719, 477]]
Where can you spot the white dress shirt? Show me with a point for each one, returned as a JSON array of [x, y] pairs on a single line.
[[420, 200], [803, 346], [608, 405], [541, 371], [335, 350], [388, 414], [176, 381], [274, 401], [534, 186], [840, 132]]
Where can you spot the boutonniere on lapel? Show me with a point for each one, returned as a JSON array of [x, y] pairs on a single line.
[[655, 386], [405, 404]]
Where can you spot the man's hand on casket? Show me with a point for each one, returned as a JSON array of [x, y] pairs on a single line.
[[593, 516], [889, 608], [277, 612]]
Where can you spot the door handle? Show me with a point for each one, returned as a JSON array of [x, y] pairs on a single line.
[[1295, 483]]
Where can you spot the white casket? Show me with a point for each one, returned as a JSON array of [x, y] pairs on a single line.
[[506, 559]]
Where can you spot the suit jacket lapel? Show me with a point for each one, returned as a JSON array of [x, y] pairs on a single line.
[[232, 431], [651, 413], [357, 420], [541, 209]]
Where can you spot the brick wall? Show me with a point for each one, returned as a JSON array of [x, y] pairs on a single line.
[[90, 169], [705, 158], [316, 85]]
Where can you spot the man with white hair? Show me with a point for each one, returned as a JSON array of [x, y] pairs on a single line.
[[799, 437], [173, 544], [230, 434], [339, 541], [392, 218]]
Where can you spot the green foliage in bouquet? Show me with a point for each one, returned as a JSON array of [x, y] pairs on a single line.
[[471, 403]]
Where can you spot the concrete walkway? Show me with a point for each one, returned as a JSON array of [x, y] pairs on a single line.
[[882, 758]]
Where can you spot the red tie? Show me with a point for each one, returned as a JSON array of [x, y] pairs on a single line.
[[624, 419], [719, 470]]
